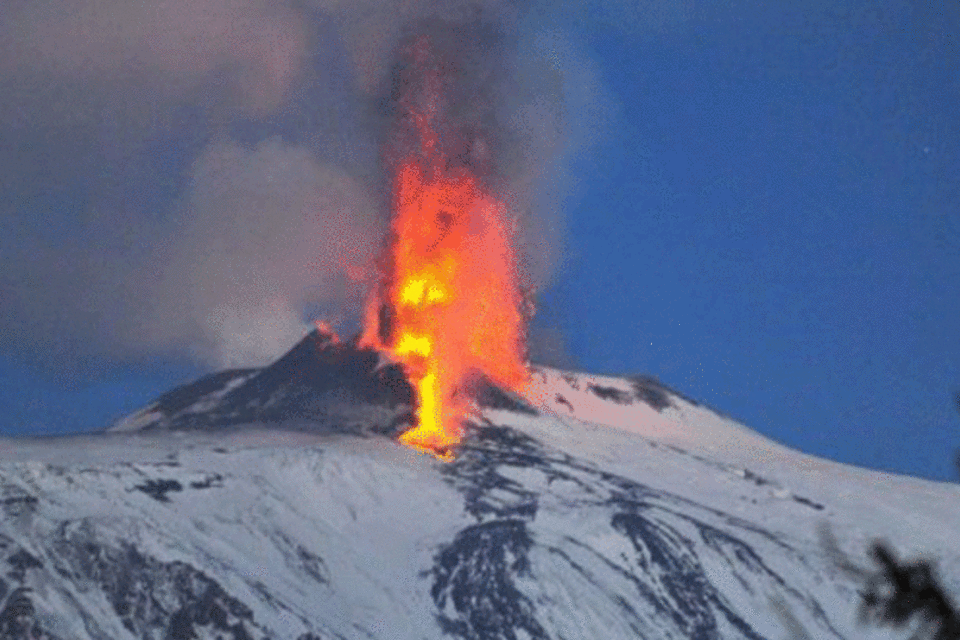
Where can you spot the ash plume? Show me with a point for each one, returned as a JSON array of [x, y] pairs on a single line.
[[201, 179]]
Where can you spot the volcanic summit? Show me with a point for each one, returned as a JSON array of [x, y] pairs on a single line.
[[276, 503]]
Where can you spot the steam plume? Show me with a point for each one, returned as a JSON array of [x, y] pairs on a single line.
[[201, 178]]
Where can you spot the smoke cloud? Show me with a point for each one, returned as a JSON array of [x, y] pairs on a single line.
[[252, 48], [203, 178], [271, 234]]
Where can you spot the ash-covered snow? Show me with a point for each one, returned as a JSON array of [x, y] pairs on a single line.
[[590, 507]]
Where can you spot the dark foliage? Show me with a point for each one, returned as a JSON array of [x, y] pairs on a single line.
[[956, 459], [901, 593]]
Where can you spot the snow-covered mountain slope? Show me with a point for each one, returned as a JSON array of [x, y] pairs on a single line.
[[273, 504]]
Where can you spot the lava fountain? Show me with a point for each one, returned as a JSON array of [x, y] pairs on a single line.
[[450, 307]]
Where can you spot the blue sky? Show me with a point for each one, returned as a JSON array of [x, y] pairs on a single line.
[[776, 227], [766, 216]]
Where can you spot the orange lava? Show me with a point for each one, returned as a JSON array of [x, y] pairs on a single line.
[[454, 308], [324, 328]]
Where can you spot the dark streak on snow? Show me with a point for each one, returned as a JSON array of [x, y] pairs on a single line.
[[18, 618], [816, 506], [17, 612], [610, 393], [668, 558], [21, 562], [745, 474], [148, 594], [158, 489], [484, 581], [214, 480], [17, 505], [650, 390], [474, 583]]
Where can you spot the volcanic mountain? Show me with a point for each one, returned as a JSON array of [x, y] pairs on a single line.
[[275, 503]]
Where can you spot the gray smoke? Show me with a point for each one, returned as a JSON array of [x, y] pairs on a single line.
[[203, 178]]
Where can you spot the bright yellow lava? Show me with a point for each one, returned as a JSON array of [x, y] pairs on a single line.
[[428, 436], [408, 344], [435, 294], [412, 292], [416, 290]]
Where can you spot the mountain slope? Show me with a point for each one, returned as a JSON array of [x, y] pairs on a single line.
[[271, 504]]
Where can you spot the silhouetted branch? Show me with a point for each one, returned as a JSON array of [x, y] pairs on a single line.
[[902, 592], [956, 459], [899, 593]]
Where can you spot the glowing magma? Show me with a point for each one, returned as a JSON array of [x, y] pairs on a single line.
[[453, 300]]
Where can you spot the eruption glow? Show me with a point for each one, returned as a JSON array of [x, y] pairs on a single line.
[[451, 308]]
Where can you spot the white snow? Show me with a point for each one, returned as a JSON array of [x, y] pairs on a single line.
[[376, 513]]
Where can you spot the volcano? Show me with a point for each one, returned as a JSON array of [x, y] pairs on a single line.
[[276, 503]]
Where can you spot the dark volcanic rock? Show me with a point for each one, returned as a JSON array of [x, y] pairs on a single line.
[[150, 596], [18, 619], [183, 397], [484, 579], [333, 386], [475, 574], [318, 366], [158, 489], [650, 390]]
